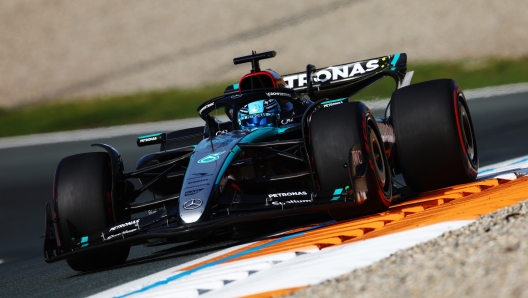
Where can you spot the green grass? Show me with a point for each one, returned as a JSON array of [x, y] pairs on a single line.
[[106, 111], [182, 103]]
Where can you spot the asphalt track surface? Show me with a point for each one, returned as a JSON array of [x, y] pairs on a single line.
[[27, 174]]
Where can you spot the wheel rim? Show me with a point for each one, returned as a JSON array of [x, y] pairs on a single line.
[[468, 136]]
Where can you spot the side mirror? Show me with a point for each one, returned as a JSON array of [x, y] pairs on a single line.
[[152, 139]]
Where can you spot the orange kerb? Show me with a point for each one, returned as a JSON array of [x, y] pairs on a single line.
[[462, 202], [276, 293]]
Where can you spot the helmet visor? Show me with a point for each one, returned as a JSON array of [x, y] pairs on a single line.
[[257, 120]]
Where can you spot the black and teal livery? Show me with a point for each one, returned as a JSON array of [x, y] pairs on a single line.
[[325, 154]]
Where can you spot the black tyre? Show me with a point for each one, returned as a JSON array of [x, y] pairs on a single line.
[[333, 132], [435, 140], [82, 195]]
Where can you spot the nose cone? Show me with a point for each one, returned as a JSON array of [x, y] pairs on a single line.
[[192, 210]]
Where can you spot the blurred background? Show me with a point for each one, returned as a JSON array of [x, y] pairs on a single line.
[[144, 61]]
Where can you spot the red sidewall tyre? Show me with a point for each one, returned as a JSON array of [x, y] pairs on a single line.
[[435, 139]]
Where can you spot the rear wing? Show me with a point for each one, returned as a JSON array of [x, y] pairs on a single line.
[[333, 76]]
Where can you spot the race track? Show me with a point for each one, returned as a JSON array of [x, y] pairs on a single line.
[[27, 175]]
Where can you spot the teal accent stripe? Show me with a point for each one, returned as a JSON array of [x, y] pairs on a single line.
[[84, 240], [232, 154], [152, 135], [235, 86], [395, 60], [259, 133], [204, 266], [337, 193], [331, 101]]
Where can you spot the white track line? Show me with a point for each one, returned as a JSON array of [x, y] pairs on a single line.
[[277, 271], [166, 126], [99, 133]]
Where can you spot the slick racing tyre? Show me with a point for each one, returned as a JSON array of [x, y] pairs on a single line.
[[334, 131], [435, 139], [82, 196]]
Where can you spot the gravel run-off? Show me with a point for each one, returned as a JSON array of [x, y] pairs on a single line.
[[488, 258]]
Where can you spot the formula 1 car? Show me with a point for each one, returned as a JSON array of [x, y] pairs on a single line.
[[271, 147]]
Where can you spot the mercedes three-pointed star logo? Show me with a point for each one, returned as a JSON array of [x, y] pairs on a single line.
[[192, 204]]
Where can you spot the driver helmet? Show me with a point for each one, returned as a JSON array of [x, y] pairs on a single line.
[[260, 113]]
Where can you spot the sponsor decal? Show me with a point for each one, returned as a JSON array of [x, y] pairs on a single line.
[[148, 139], [192, 204], [271, 94], [197, 185], [236, 96], [334, 73], [197, 181], [205, 107], [200, 175], [130, 223], [357, 158], [332, 104], [119, 234], [221, 132], [193, 192], [255, 115], [211, 157], [288, 194], [290, 202], [286, 121]]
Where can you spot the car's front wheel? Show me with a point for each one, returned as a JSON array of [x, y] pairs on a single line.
[[82, 196]]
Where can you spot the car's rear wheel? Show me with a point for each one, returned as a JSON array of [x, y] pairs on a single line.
[[435, 139], [335, 133], [82, 196]]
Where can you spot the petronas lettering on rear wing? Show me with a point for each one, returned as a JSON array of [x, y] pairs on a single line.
[[347, 72]]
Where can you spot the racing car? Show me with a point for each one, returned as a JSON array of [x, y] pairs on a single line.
[[271, 147]]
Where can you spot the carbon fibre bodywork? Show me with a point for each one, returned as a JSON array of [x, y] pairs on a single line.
[[233, 176]]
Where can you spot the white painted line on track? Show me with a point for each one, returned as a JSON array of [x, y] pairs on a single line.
[[167, 126], [153, 278], [508, 169], [469, 94], [277, 271], [311, 269], [99, 133]]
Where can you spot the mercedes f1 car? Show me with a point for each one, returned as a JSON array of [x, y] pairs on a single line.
[[271, 147]]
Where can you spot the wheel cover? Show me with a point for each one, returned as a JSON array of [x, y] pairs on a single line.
[[468, 136]]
